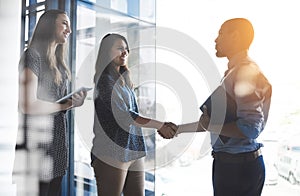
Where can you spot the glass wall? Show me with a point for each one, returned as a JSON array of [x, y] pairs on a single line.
[[26, 181], [93, 19], [135, 21]]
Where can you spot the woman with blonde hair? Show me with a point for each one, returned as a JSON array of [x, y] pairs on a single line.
[[43, 79]]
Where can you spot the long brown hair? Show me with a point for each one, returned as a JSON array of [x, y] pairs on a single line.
[[44, 34], [104, 61]]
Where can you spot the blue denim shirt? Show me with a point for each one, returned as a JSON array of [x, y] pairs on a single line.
[[115, 110], [252, 108]]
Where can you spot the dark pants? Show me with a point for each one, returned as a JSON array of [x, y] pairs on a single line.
[[52, 188], [238, 179]]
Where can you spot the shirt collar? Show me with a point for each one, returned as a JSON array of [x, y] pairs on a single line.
[[234, 61]]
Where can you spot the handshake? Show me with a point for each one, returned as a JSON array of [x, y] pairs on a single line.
[[168, 130]]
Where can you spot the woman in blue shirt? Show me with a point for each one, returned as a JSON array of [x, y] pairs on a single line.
[[118, 145]]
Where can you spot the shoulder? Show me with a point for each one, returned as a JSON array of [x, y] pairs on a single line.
[[106, 79], [247, 70], [30, 59], [29, 55], [106, 83], [32, 54]]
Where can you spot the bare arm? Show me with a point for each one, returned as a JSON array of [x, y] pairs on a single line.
[[166, 130], [148, 123], [30, 104], [189, 127], [228, 129]]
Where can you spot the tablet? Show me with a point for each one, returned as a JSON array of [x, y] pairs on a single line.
[[61, 100]]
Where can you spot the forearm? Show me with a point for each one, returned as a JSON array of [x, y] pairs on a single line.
[[148, 123], [28, 101], [39, 107], [189, 127], [228, 129]]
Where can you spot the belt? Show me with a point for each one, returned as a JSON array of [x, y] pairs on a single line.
[[236, 158]]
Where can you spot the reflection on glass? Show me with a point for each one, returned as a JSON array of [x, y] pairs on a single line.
[[120, 5], [147, 10]]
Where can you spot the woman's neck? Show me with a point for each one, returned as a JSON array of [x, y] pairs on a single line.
[[53, 45], [116, 67]]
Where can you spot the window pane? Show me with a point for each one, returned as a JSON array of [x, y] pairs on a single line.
[[119, 5], [147, 10]]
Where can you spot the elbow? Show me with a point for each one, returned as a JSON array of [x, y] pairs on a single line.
[[25, 108]]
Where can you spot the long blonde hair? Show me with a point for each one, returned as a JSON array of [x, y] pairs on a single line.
[[43, 36]]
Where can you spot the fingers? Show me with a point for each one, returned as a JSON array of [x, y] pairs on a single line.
[[78, 98], [172, 128], [204, 119], [81, 94], [165, 133], [84, 93], [205, 110], [172, 125], [168, 130]]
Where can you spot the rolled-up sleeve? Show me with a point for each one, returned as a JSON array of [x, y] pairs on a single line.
[[121, 109], [250, 130], [250, 115], [133, 114]]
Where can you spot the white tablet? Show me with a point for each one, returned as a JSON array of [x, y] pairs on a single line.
[[72, 93]]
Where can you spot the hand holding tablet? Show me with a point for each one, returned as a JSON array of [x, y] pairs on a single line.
[[68, 96]]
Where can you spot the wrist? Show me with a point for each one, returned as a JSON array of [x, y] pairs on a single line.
[[179, 129], [158, 124], [202, 127], [66, 106]]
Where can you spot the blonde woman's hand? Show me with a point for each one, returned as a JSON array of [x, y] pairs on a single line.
[[78, 98]]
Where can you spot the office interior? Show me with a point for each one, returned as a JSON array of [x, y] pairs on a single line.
[[90, 21]]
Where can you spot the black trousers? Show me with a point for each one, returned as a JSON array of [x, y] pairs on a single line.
[[52, 188], [238, 179]]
